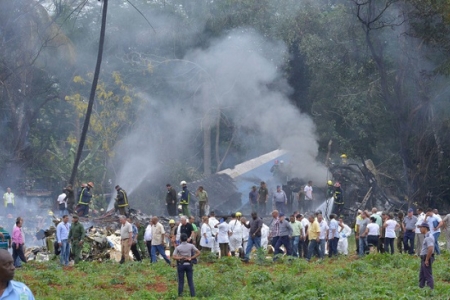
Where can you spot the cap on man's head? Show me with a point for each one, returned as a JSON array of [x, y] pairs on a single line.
[[278, 186], [410, 210], [75, 217], [117, 187], [425, 224], [281, 215], [167, 185]]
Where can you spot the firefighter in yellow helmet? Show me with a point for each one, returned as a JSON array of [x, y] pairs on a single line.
[[330, 189], [338, 199], [344, 159]]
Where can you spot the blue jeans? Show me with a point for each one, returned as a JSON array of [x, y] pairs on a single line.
[[313, 248], [408, 241], [436, 244], [323, 243], [283, 240], [362, 245], [280, 207], [161, 250], [389, 243], [63, 212], [65, 253], [332, 247], [294, 245], [188, 270], [252, 241]]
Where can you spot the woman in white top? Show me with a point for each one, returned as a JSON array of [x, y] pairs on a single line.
[[373, 234], [206, 240], [390, 225]]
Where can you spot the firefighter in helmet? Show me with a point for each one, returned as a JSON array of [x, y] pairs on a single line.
[[330, 189], [338, 198], [184, 199]]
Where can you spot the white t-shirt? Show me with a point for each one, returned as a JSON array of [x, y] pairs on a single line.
[[236, 229], [308, 192], [334, 225], [213, 222], [61, 199], [148, 233], [420, 219], [245, 232], [323, 230], [305, 223], [222, 236], [438, 217], [374, 229], [390, 228]]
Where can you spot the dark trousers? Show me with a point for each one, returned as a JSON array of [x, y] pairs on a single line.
[[201, 208], [188, 270], [18, 253], [149, 248], [389, 242], [303, 248], [286, 242], [9, 209], [135, 252], [381, 245], [83, 210], [261, 209], [408, 241], [332, 247], [172, 209], [313, 248], [281, 207], [223, 247], [426, 273], [357, 244]]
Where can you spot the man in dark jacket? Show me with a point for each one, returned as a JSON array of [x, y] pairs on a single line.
[[184, 199], [171, 200], [121, 200], [84, 199], [70, 198]]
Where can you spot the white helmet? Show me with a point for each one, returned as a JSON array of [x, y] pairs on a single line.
[[183, 182]]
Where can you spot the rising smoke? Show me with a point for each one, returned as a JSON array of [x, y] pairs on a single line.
[[238, 76]]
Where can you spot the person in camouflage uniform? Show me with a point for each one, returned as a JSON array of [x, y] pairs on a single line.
[[76, 238]]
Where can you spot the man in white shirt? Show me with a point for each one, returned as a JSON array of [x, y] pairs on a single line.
[[308, 196], [126, 238], [333, 236], [323, 235], [212, 223], [62, 236], [303, 244], [148, 239], [62, 204], [158, 236]]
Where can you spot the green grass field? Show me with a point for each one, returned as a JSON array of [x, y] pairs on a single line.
[[373, 277]]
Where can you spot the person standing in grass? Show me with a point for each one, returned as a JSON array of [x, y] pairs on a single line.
[[140, 239], [62, 235], [254, 235], [184, 256], [126, 238], [409, 224], [446, 221], [390, 225], [373, 234], [158, 236], [426, 257], [313, 236], [297, 234], [285, 232], [76, 238]]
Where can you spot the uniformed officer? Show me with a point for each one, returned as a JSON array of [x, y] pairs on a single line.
[[426, 257], [183, 254], [76, 238]]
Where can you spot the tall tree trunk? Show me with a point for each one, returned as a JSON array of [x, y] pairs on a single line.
[[92, 95]]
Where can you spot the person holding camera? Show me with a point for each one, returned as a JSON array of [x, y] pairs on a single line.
[[184, 257]]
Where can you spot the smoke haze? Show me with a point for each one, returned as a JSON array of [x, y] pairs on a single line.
[[237, 76]]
